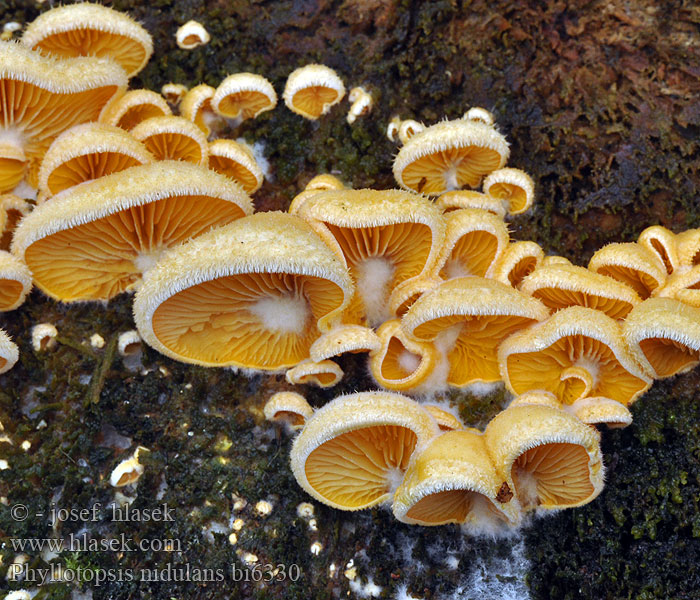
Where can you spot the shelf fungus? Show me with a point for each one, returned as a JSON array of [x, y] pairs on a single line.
[[448, 156], [134, 107], [661, 242], [324, 373], [196, 106], [353, 452], [631, 264], [560, 286], [235, 160], [191, 35], [311, 90], [516, 262], [513, 187], [88, 151], [664, 336], [344, 339], [467, 318], [548, 458], [8, 352], [254, 294], [87, 29], [457, 199], [93, 241], [385, 237], [42, 97], [453, 480], [577, 352], [243, 96], [474, 240], [173, 138], [402, 362], [15, 281], [288, 407]]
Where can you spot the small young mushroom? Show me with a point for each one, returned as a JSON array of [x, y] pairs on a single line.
[[476, 113], [173, 138], [12, 210], [361, 104], [311, 90], [600, 411], [561, 285], [88, 151], [344, 339], [243, 96], [453, 480], [469, 317], [688, 244], [352, 452], [448, 156], [94, 241], [128, 471], [662, 243], [236, 161], [86, 29], [173, 92], [631, 264], [577, 352], [664, 336], [196, 106], [190, 35], [457, 199], [289, 407], [409, 128], [134, 107], [254, 294], [513, 187], [516, 262], [44, 336], [8, 352], [324, 373], [548, 458]]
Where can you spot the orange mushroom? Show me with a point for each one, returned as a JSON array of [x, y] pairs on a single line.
[[173, 138]]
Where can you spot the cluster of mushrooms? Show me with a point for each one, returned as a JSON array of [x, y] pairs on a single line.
[[426, 280]]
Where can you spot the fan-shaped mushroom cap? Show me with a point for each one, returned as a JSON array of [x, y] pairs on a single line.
[[599, 410], [449, 155], [577, 352], [88, 151], [12, 209], [324, 373], [401, 362], [134, 107], [446, 420], [311, 90], [195, 106], [476, 315], [539, 397], [688, 244], [244, 95], [255, 294], [664, 336], [8, 352], [547, 457], [40, 97], [512, 187], [343, 339], [13, 165], [631, 264], [474, 240], [86, 29], [173, 138], [661, 242], [237, 162], [386, 237], [289, 407], [407, 292], [457, 199], [320, 183], [190, 35], [560, 286], [683, 285], [517, 261], [453, 480], [93, 241], [353, 451], [15, 281]]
